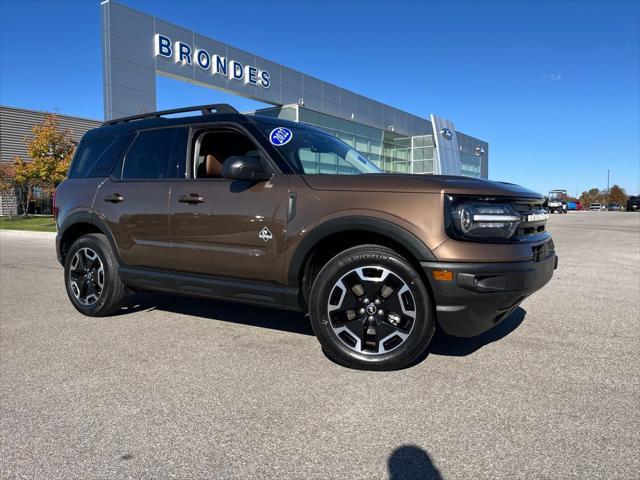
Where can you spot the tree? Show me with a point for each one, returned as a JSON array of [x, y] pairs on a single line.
[[51, 150], [591, 196], [7, 181], [7, 177], [617, 195], [27, 180]]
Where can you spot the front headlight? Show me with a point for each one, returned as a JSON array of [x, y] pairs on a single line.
[[479, 220]]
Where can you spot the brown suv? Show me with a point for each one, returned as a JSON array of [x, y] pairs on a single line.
[[275, 213]]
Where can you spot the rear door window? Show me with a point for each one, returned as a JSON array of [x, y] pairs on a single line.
[[150, 155]]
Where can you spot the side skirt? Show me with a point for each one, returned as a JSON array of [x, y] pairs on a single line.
[[209, 286]]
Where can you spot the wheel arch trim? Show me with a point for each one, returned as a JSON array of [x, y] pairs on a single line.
[[353, 224], [85, 217]]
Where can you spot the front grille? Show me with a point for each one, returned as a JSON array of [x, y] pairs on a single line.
[[534, 218]]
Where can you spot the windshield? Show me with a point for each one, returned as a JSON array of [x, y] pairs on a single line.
[[556, 195], [311, 151]]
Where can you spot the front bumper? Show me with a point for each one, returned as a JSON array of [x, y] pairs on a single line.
[[482, 294]]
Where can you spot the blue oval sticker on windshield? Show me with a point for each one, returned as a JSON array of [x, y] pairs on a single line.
[[280, 136]]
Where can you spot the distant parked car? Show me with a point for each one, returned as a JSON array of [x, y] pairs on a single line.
[[595, 206], [572, 206], [579, 206], [614, 207], [633, 204]]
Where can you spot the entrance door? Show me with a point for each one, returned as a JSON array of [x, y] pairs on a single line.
[[228, 228]]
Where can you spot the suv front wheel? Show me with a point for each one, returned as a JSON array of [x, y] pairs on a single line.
[[91, 276], [370, 309]]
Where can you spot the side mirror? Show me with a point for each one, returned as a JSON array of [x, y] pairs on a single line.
[[244, 168]]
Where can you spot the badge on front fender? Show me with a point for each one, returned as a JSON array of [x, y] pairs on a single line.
[[265, 234]]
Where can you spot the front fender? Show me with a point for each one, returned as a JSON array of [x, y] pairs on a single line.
[[353, 224]]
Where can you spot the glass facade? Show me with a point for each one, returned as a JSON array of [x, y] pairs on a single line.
[[423, 154], [390, 151], [473, 156], [469, 165]]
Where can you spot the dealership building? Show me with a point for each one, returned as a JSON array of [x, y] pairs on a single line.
[[138, 47]]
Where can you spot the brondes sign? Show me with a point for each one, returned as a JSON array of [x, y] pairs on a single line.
[[184, 54]]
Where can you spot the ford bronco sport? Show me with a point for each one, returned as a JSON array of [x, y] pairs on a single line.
[[275, 213]]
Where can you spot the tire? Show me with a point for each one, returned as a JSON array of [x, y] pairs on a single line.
[[91, 276], [342, 315]]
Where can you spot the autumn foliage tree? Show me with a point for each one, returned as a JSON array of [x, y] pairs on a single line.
[[7, 180], [617, 195], [51, 150], [591, 196], [26, 182]]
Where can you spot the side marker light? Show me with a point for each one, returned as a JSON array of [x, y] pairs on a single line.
[[442, 275]]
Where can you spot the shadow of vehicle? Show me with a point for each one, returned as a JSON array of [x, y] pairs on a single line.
[[263, 317], [443, 344], [410, 462], [296, 322]]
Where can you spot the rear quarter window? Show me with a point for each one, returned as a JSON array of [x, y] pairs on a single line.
[[96, 157]]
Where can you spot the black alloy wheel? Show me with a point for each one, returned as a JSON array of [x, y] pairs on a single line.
[[91, 276], [370, 309]]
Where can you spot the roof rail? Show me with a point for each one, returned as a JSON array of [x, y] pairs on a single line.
[[204, 109]]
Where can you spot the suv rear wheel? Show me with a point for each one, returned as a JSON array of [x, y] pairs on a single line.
[[91, 276], [370, 309]]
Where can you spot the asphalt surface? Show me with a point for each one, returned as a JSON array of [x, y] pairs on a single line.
[[181, 388]]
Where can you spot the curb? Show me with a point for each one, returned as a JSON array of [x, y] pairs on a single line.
[[27, 233]]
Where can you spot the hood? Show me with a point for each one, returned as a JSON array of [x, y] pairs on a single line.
[[391, 182]]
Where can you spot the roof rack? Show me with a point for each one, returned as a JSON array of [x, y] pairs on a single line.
[[204, 109]]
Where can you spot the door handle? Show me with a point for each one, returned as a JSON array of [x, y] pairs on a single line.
[[191, 198], [114, 198]]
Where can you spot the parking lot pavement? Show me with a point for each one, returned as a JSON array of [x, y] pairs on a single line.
[[199, 389]]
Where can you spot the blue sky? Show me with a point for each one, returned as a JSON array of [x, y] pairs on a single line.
[[552, 86]]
